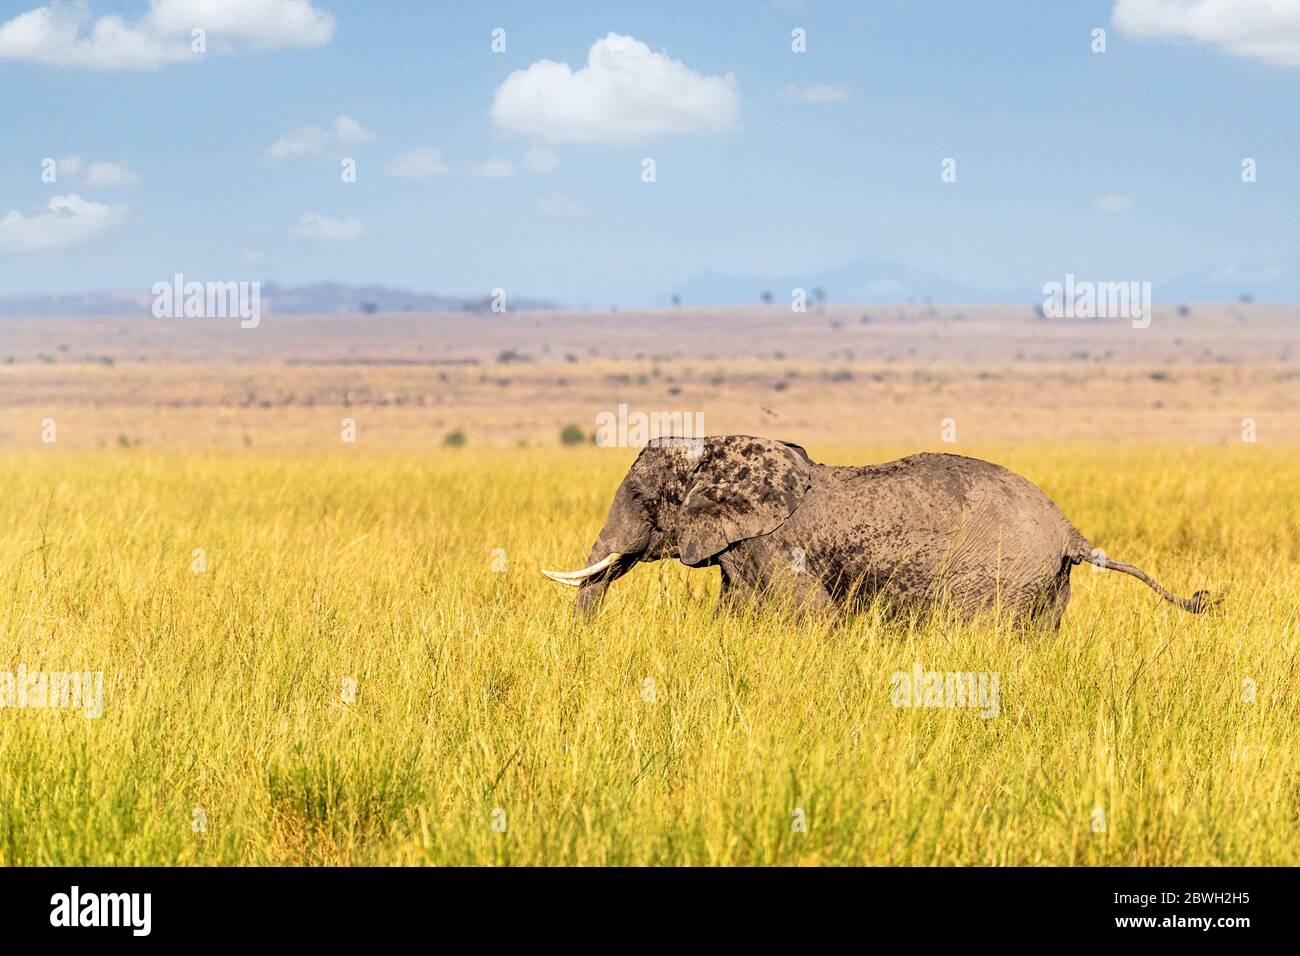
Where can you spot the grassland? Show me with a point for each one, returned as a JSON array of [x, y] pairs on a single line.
[[226, 690]]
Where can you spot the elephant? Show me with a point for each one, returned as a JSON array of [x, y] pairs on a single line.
[[912, 533]]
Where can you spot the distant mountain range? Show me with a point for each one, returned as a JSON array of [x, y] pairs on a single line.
[[864, 280], [874, 280], [861, 281], [322, 298], [1276, 283]]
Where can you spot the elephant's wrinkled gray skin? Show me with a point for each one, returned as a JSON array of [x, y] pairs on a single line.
[[910, 532]]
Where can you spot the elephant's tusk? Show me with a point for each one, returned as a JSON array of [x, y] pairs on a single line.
[[575, 578], [555, 576]]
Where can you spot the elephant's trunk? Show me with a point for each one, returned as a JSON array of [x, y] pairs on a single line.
[[621, 543], [591, 593]]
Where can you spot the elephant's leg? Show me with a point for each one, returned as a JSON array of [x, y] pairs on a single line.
[[736, 589], [1061, 598], [726, 594], [1051, 600], [808, 594], [762, 572], [784, 575]]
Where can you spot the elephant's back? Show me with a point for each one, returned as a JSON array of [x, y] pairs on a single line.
[[938, 485], [973, 522]]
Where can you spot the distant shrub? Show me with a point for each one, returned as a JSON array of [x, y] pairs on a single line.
[[454, 439], [572, 435]]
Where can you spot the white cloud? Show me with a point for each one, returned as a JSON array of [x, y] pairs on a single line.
[[67, 33], [626, 93], [541, 159], [419, 163], [53, 34], [1266, 30], [315, 142], [817, 93], [1113, 202], [107, 175], [492, 169], [263, 23], [69, 222], [559, 206], [313, 225], [99, 175], [350, 131]]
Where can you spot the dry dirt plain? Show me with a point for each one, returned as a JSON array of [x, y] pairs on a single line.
[[838, 374]]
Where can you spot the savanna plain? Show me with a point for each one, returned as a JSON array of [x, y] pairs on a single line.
[[321, 651]]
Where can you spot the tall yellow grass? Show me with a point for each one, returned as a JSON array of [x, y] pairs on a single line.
[[484, 730]]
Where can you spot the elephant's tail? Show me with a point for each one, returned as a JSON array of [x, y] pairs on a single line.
[[1198, 603]]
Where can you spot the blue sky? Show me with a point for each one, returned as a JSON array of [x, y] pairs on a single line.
[[1124, 164]]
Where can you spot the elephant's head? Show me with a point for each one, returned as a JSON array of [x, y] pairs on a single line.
[[691, 499]]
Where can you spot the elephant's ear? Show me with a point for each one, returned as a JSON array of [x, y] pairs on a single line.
[[742, 488]]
